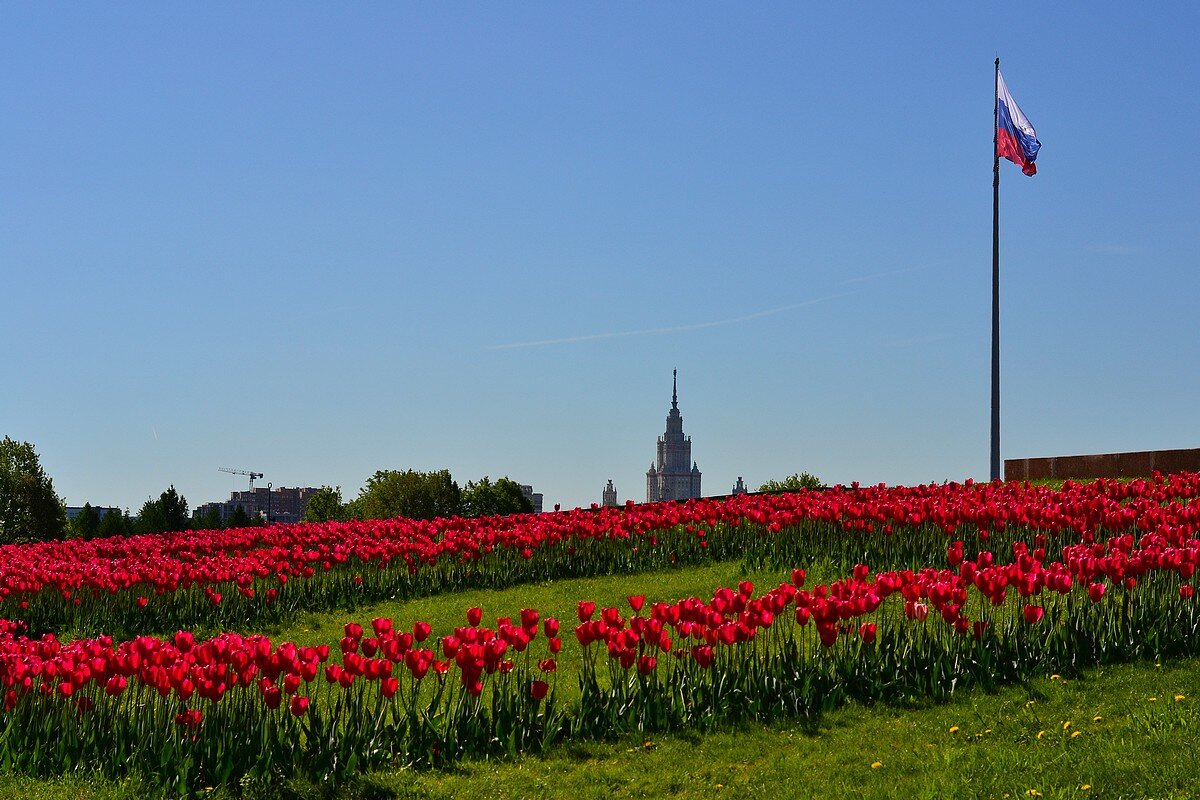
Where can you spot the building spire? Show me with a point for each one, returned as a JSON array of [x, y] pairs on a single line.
[[674, 389]]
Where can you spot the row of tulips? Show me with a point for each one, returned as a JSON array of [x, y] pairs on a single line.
[[187, 713], [226, 578]]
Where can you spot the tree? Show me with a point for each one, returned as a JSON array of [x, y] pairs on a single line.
[[86, 522], [168, 513], [487, 499], [29, 508], [412, 494], [793, 483], [325, 505], [209, 520], [114, 523], [238, 518]]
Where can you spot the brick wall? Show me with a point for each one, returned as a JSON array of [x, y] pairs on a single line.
[[1103, 465]]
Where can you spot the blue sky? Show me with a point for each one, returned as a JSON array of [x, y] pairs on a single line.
[[317, 242]]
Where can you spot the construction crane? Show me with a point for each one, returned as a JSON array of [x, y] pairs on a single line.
[[251, 473]]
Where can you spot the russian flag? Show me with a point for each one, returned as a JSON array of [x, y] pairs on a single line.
[[1016, 139]]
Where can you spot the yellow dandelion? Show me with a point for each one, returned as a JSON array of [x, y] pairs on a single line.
[[876, 764], [1033, 793], [1053, 678], [1097, 718], [1030, 703], [954, 729], [1153, 699], [1041, 734], [989, 730], [1085, 786], [1074, 734], [1066, 724], [1180, 698]]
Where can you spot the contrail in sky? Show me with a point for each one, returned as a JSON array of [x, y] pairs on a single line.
[[888, 274], [595, 337]]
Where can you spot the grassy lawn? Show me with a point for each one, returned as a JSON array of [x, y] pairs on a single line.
[[556, 598], [1101, 736], [1116, 732], [1119, 731]]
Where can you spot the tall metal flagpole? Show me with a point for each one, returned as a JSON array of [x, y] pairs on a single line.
[[996, 277]]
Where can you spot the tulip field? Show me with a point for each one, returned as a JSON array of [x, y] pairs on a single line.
[[146, 656]]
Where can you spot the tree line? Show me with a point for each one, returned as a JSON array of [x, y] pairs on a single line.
[[419, 495], [31, 510]]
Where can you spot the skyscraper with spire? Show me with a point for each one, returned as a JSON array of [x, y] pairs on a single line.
[[673, 476]]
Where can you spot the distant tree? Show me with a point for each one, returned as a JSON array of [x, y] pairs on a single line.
[[793, 483], [325, 505], [487, 499], [29, 508], [238, 518], [412, 494], [209, 520], [168, 513], [86, 522], [114, 523]]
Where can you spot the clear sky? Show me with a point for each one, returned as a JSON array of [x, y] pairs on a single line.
[[316, 241]]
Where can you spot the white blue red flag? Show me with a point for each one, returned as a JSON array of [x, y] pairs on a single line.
[[1016, 139]]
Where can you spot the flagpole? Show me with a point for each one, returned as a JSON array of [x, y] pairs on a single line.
[[996, 277]]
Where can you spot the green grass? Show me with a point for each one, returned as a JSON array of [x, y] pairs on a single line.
[[1137, 748], [552, 599]]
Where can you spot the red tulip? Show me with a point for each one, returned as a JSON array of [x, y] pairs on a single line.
[[299, 705], [1033, 614], [189, 718], [539, 690]]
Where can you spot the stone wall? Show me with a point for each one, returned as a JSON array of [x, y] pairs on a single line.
[[1103, 465]]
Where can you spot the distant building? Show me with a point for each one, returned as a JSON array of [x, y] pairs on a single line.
[[535, 498], [670, 477], [739, 487], [609, 495], [75, 511], [283, 504]]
